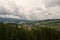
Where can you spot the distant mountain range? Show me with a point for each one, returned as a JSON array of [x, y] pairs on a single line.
[[14, 20], [21, 20]]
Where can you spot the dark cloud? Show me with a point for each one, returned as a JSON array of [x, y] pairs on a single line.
[[47, 9], [52, 3]]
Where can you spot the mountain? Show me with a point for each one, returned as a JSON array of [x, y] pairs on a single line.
[[21, 20], [14, 20]]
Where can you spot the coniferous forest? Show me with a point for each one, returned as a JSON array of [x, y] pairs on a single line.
[[48, 30]]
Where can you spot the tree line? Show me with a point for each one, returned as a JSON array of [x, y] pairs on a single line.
[[13, 32]]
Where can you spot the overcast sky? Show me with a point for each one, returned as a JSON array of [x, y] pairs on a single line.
[[30, 9]]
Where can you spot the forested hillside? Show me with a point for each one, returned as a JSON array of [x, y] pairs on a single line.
[[39, 30]]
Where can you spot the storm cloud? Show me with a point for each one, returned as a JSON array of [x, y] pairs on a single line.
[[30, 9]]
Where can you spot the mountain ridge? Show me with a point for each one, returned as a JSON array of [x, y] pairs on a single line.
[[22, 20]]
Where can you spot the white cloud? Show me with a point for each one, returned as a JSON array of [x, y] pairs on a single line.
[[30, 9]]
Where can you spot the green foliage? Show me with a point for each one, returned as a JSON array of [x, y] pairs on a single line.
[[14, 32]]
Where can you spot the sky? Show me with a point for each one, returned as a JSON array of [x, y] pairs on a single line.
[[30, 9]]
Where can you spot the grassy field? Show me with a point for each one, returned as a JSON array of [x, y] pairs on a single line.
[[30, 31]]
